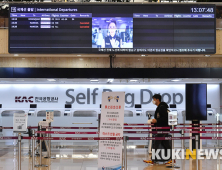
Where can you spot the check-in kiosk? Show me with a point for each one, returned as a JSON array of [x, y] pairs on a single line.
[[68, 110]]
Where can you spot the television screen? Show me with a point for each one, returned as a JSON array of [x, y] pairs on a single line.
[[68, 106], [112, 29], [138, 106], [173, 106], [196, 101], [33, 105]]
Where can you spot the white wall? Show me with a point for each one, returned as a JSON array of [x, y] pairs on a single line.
[[10, 91]]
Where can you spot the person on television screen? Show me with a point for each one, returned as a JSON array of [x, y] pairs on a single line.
[[99, 39], [112, 40]]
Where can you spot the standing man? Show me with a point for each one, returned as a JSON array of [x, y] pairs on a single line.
[[160, 120]]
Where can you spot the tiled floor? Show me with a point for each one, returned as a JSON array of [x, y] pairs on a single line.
[[68, 158]]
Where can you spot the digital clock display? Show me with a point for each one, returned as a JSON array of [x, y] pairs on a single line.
[[202, 10]]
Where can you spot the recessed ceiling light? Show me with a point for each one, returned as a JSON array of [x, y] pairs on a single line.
[[175, 80], [16, 55], [79, 55], [143, 55], [94, 80], [133, 80], [110, 80], [51, 79], [207, 55]]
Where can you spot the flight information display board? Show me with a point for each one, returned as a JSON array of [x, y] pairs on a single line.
[[99, 28]]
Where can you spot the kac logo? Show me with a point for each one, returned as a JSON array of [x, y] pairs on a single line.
[[111, 97], [20, 99], [116, 98]]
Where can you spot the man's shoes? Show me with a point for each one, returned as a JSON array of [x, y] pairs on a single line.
[[149, 162], [170, 162]]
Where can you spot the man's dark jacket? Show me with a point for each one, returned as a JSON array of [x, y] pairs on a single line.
[[161, 115]]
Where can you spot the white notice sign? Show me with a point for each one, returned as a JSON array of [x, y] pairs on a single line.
[[172, 118], [44, 123], [111, 125], [49, 115], [20, 122]]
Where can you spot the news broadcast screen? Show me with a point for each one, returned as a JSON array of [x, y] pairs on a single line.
[[99, 28]]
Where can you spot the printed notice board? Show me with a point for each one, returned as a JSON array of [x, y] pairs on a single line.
[[20, 122], [111, 125], [49, 115]]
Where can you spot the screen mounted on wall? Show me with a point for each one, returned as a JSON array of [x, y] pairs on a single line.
[[95, 28], [196, 101]]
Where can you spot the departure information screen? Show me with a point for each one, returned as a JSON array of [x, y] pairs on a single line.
[[99, 28]]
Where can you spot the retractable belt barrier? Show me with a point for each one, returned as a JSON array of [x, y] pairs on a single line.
[[125, 138], [35, 127], [106, 138], [62, 132], [160, 138], [180, 124], [91, 133], [61, 138], [74, 138], [8, 137], [6, 127]]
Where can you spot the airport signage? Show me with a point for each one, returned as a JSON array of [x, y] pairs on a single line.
[[133, 29], [20, 122], [89, 95], [145, 97], [111, 125], [22, 99], [49, 115]]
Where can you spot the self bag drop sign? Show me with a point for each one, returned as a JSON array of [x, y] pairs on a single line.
[[111, 125]]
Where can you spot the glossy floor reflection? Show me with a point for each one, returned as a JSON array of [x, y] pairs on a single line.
[[86, 159]]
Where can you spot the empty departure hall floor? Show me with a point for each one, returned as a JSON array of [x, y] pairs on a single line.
[[70, 157]]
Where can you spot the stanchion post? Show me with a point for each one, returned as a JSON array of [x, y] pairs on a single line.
[[49, 135], [197, 148], [217, 134], [172, 145], [182, 147], [40, 156], [182, 141], [50, 142], [33, 150], [19, 150], [122, 156], [218, 148], [218, 155], [172, 166], [29, 153], [125, 152], [40, 145]]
